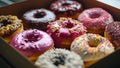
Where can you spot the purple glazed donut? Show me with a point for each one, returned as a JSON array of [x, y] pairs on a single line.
[[32, 43]]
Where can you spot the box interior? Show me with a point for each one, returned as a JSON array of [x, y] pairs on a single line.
[[18, 9]]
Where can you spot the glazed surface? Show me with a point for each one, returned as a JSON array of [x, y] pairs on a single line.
[[112, 32], [92, 47], [65, 5], [38, 18], [32, 41], [95, 19], [64, 30]]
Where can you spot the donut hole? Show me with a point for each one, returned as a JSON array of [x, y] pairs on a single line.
[[39, 14], [69, 24], [4, 23], [94, 15], [93, 42], [65, 4], [59, 60], [33, 37]]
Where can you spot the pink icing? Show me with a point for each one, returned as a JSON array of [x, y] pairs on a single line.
[[95, 18], [65, 30], [32, 41]]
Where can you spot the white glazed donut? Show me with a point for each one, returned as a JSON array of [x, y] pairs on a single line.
[[38, 18]]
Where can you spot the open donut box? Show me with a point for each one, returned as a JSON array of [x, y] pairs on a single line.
[[16, 60]]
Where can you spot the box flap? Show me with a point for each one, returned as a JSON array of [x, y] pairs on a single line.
[[13, 56]]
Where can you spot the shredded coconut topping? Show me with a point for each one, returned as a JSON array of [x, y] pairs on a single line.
[[59, 58]]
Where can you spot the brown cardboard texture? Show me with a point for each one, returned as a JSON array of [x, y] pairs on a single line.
[[18, 61]]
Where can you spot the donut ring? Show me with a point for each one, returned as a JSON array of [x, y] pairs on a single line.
[[59, 5], [32, 43], [64, 30], [66, 8], [38, 18], [9, 24], [112, 32], [92, 47], [95, 19], [59, 58]]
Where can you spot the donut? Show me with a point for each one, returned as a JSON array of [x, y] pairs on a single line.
[[32, 43], [64, 30], [91, 47], [9, 26], [66, 8], [38, 18], [59, 58], [112, 32], [95, 19]]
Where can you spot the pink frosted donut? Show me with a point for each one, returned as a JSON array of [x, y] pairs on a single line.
[[95, 19], [64, 30], [32, 43]]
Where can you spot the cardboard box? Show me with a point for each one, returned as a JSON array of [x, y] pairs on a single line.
[[18, 61]]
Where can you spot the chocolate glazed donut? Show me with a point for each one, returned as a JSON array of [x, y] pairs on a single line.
[[66, 8], [112, 32]]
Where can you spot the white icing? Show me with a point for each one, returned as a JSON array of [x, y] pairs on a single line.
[[50, 16], [72, 60]]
